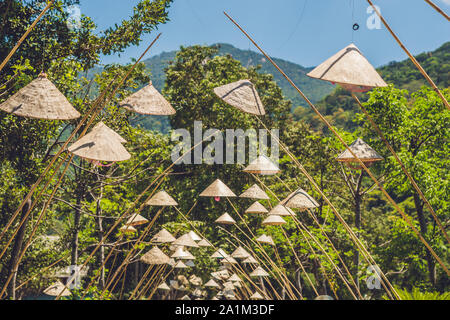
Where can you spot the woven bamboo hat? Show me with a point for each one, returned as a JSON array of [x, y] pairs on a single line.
[[194, 236], [225, 219], [148, 101], [103, 127], [241, 94], [323, 297], [186, 297], [136, 220], [190, 263], [155, 256], [217, 189], [299, 199], [195, 280], [180, 265], [256, 296], [183, 254], [221, 275], [57, 289], [250, 260], [259, 272], [164, 287], [255, 192], [240, 253], [228, 260], [219, 254], [161, 199], [163, 236], [256, 208], [363, 151], [237, 284], [126, 229], [186, 241], [101, 145], [40, 99], [350, 69], [228, 286], [204, 243], [280, 210], [265, 239], [235, 278], [262, 165], [273, 220], [212, 284]]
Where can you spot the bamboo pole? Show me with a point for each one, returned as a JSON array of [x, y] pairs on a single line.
[[413, 59], [361, 163], [25, 35], [446, 16]]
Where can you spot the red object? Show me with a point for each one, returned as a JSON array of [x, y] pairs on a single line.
[[217, 199]]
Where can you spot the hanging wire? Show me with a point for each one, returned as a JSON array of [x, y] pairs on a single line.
[[300, 19]]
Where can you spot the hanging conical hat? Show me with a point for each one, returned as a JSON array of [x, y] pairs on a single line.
[[190, 263], [256, 296], [323, 297], [57, 289], [195, 280], [240, 253], [280, 210], [228, 260], [103, 127], [220, 275], [259, 272], [136, 220], [181, 253], [225, 219], [172, 262], [180, 265], [163, 286], [155, 256], [235, 278], [163, 236], [254, 192], [299, 199], [237, 284], [186, 297], [186, 241], [217, 189], [256, 208], [127, 229], [194, 236], [40, 99], [265, 239], [228, 286], [100, 145], [250, 260], [211, 283], [204, 243], [162, 198], [148, 101], [219, 254], [262, 165], [241, 94], [349, 67], [273, 221], [362, 150]]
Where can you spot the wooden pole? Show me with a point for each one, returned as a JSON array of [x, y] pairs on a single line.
[[446, 16], [25, 35], [413, 59]]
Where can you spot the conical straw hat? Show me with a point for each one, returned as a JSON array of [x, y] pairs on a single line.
[[40, 99], [235, 278], [136, 220], [219, 254], [237, 284], [162, 198], [217, 189], [181, 253], [195, 280], [190, 263], [186, 241], [349, 67], [100, 145], [299, 199], [103, 127], [180, 265], [262, 165], [254, 192], [163, 236], [220, 275], [273, 221], [225, 219], [256, 208], [362, 150], [228, 260], [172, 262], [265, 239], [194, 236], [186, 297], [155, 256], [256, 296], [250, 260], [57, 289], [148, 101], [163, 286], [240, 253], [259, 272], [228, 286], [204, 243], [211, 283], [323, 297], [280, 210], [241, 94], [128, 229]]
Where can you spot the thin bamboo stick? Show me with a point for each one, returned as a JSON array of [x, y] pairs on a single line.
[[446, 16]]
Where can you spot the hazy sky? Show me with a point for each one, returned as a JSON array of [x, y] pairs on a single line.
[[302, 31]]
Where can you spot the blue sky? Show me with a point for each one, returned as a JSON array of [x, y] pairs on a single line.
[[302, 31]]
